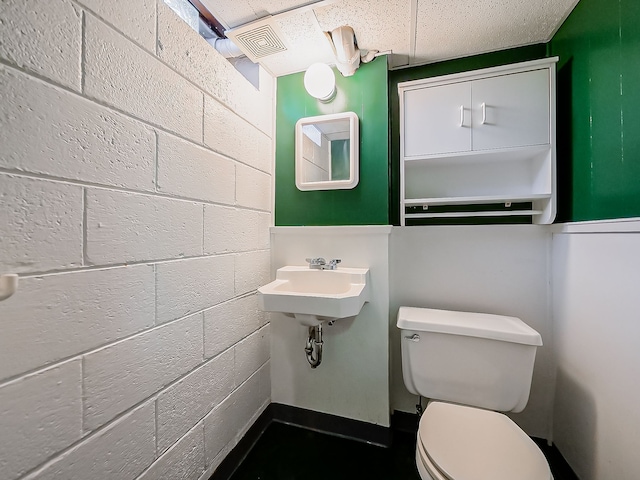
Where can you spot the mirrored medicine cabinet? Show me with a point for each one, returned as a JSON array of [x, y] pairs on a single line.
[[327, 153]]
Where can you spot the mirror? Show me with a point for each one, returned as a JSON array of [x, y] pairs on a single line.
[[327, 152]]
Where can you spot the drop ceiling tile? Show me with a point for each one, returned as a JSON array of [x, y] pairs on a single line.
[[231, 13], [446, 29], [272, 7]]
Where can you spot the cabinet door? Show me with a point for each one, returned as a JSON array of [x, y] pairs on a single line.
[[511, 110], [437, 120]]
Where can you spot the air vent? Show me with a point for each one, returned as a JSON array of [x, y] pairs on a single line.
[[258, 39]]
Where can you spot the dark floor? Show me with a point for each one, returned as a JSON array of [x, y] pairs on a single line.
[[287, 452]]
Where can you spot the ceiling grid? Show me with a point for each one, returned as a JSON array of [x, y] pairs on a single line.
[[416, 32]]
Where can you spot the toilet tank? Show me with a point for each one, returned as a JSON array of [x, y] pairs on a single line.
[[473, 359]]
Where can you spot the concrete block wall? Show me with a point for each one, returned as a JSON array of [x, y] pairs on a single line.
[[135, 201]]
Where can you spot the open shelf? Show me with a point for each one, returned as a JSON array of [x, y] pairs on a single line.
[[416, 202], [509, 213], [513, 154]]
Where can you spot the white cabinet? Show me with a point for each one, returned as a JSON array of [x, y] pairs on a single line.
[[437, 120], [479, 143], [511, 110]]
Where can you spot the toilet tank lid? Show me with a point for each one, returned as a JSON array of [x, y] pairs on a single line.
[[481, 325]]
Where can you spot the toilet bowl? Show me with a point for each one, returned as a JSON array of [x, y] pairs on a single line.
[[457, 442], [471, 366]]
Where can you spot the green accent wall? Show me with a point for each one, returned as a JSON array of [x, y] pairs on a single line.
[[364, 93], [475, 62], [598, 124], [599, 111]]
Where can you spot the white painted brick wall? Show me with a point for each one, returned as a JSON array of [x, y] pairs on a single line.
[[135, 18], [184, 460], [231, 135], [234, 230], [43, 222], [252, 271], [129, 227], [192, 285], [123, 75], [227, 324], [121, 375], [122, 450], [85, 141], [40, 414], [190, 54], [251, 352], [194, 172], [57, 316], [219, 79], [225, 425], [43, 36], [185, 403], [253, 187], [106, 185]]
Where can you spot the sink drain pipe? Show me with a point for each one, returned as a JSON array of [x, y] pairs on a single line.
[[314, 346]]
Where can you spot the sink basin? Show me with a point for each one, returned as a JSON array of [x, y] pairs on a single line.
[[314, 296]]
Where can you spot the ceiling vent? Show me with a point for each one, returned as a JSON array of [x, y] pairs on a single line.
[[258, 39]]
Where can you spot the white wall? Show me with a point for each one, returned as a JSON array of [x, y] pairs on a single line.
[[596, 308], [135, 197], [491, 269], [353, 379]]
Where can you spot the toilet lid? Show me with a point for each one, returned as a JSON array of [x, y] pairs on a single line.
[[467, 443]]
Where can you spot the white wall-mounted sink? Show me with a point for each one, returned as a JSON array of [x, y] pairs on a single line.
[[314, 296]]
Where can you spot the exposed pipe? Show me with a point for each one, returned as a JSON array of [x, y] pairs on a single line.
[[226, 47], [314, 346]]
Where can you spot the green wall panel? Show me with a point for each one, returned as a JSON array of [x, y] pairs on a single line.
[[475, 62], [364, 93], [598, 123], [599, 111]]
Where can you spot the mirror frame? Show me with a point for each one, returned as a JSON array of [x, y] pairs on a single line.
[[354, 153]]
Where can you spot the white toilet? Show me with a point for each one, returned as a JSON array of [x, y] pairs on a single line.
[[468, 365]]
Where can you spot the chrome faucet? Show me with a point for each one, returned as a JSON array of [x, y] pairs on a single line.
[[332, 265], [321, 264], [317, 263]]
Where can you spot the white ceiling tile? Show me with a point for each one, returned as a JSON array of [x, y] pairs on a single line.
[[272, 7], [231, 13], [445, 29]]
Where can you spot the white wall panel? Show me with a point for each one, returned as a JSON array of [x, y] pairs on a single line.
[[596, 310], [490, 269], [353, 379]]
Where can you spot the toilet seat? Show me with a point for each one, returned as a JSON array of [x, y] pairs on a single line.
[[457, 442]]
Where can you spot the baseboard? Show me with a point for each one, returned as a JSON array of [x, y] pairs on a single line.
[[300, 417], [352, 429], [404, 422], [557, 462], [332, 424]]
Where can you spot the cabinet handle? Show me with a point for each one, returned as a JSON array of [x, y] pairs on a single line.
[[484, 113], [461, 116]]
